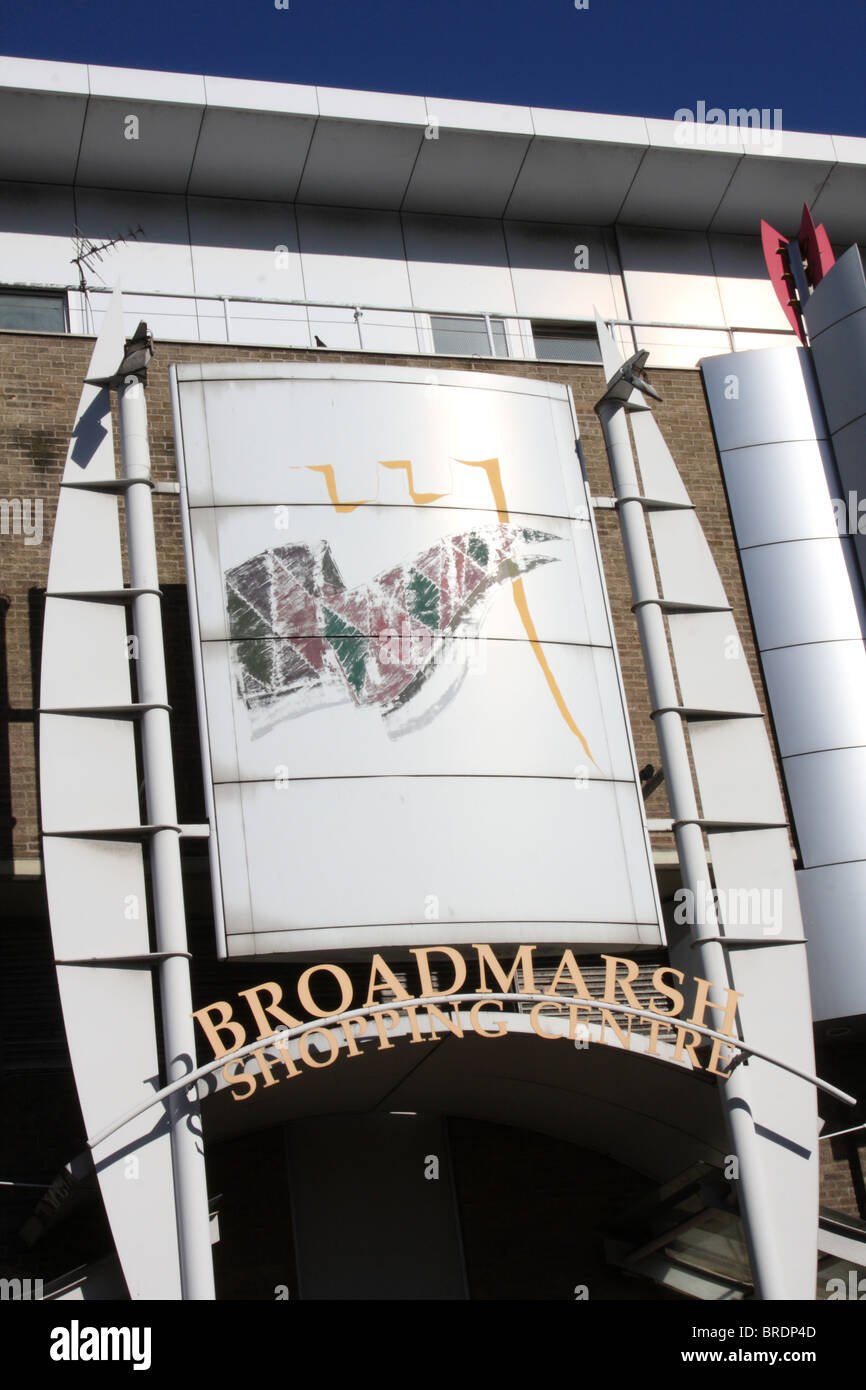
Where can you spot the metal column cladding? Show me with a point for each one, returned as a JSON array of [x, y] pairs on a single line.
[[92, 831], [772, 1121], [805, 594], [414, 723]]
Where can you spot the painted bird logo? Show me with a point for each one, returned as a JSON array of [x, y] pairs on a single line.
[[301, 639]]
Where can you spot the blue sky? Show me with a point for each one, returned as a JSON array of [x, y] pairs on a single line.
[[637, 57]]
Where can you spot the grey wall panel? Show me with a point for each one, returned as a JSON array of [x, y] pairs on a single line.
[[807, 604], [836, 319], [767, 396], [779, 492], [840, 362], [839, 294], [816, 694], [829, 789], [800, 591], [849, 446], [832, 899]]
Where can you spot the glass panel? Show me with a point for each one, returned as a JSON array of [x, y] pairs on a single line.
[[459, 336], [840, 1279], [566, 344], [35, 313], [715, 1243]]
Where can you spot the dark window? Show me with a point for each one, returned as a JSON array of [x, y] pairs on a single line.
[[566, 342], [33, 311], [456, 336]]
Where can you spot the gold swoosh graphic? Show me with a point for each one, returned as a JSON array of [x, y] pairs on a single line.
[[494, 477], [327, 472], [420, 497]]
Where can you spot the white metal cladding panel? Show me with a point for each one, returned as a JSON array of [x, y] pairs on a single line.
[[236, 248], [476, 757], [687, 569], [387, 855], [458, 263], [670, 277], [261, 437], [161, 258], [712, 670], [96, 888], [344, 249], [485, 691], [732, 755], [559, 272], [757, 860]]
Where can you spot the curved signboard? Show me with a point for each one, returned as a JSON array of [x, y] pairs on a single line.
[[412, 709]]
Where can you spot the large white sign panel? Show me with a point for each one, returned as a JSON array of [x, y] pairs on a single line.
[[414, 724]]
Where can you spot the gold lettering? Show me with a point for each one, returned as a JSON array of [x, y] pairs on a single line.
[[288, 1060], [611, 980], [673, 994], [573, 1011], [265, 1067], [656, 1027], [689, 1047], [417, 1035], [474, 1018], [213, 1030], [260, 1014], [245, 1079], [379, 1020], [569, 969], [421, 954], [522, 961], [306, 997], [608, 1019], [352, 1049], [716, 1056], [453, 1024], [702, 1003], [389, 981], [534, 1020], [304, 1047]]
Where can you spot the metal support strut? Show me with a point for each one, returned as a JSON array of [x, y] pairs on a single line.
[[191, 1201]]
